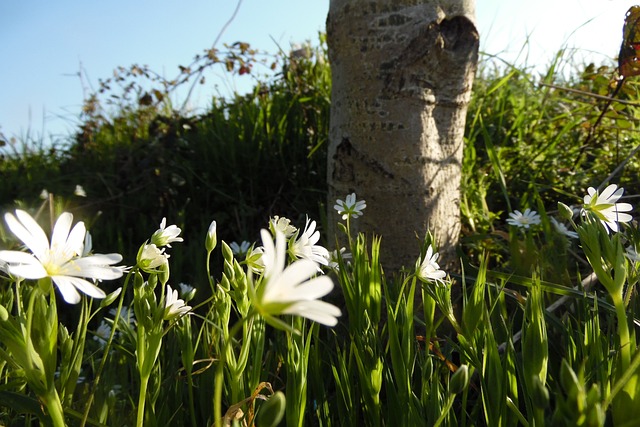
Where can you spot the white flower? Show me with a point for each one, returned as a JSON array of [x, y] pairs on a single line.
[[604, 206], [333, 258], [126, 315], [185, 288], [525, 219], [304, 245], [254, 259], [79, 191], [291, 290], [632, 254], [151, 257], [4, 267], [103, 333], [562, 229], [165, 236], [240, 249], [87, 246], [428, 270], [44, 194], [187, 292], [174, 306], [349, 207], [283, 225], [61, 260]]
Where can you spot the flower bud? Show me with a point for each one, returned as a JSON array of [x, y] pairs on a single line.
[[212, 237], [539, 393], [272, 411], [110, 298], [459, 380], [565, 211]]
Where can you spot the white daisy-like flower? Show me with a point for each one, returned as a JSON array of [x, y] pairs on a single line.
[[187, 292], [606, 208], [240, 249], [164, 236], [174, 306], [127, 315], [428, 270], [350, 207], [562, 229], [254, 259], [79, 191], [291, 290], [333, 258], [151, 257], [632, 254], [4, 267], [103, 333], [303, 245], [61, 260], [523, 220], [282, 225], [185, 288]]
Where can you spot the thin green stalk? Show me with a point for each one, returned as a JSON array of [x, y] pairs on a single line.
[[144, 378], [217, 396], [103, 362], [54, 407], [142, 397], [623, 332], [192, 410], [623, 380]]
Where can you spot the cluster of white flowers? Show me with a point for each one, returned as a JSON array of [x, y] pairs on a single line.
[[152, 256], [290, 288], [603, 206]]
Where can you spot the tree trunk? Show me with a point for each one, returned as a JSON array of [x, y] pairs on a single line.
[[402, 73]]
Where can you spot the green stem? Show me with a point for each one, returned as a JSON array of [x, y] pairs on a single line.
[[54, 408], [208, 264], [217, 396], [192, 410], [103, 362], [142, 397], [623, 332]]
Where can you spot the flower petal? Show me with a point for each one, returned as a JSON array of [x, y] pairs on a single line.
[[318, 311], [29, 231], [22, 264], [312, 289], [610, 194], [75, 241], [67, 289], [82, 285], [60, 233], [280, 287]]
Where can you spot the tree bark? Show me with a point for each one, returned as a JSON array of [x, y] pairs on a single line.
[[402, 73]]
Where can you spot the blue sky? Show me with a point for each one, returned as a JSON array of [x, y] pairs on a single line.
[[43, 43]]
